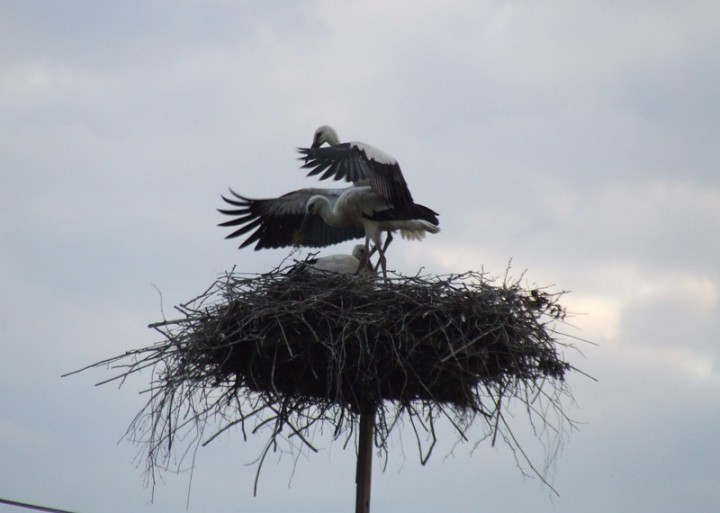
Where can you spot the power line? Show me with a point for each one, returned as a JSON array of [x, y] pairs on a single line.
[[34, 506]]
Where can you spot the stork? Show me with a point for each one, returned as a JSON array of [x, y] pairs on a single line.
[[321, 217], [340, 263], [363, 165], [282, 222], [356, 162]]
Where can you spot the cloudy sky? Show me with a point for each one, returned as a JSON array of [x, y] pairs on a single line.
[[578, 140]]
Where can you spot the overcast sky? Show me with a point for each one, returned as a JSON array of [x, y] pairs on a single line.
[[578, 140]]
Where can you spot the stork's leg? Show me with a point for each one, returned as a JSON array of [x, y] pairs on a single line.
[[376, 247], [388, 240], [382, 261]]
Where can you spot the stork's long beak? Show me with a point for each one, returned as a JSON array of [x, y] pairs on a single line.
[[299, 234], [318, 139]]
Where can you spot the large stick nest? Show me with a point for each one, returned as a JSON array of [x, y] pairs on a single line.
[[294, 351], [347, 341]]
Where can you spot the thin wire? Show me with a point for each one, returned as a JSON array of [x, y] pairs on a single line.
[[33, 506]]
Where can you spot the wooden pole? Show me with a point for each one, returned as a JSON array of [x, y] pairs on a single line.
[[363, 473]]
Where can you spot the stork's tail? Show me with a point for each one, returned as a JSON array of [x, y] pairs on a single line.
[[426, 214]]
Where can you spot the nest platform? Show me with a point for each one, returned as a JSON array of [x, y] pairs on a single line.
[[291, 352], [353, 340]]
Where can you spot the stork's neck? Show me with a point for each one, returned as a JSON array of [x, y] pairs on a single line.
[[328, 213], [327, 134], [332, 138]]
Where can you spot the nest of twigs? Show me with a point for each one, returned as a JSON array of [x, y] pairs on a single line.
[[348, 341], [294, 351]]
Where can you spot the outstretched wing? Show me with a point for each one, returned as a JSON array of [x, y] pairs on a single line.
[[359, 162], [281, 222]]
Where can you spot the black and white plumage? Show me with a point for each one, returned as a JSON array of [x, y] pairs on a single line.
[[282, 222], [321, 217], [378, 201], [360, 205], [356, 162], [341, 263]]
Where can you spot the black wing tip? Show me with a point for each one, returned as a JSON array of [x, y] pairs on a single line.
[[238, 196], [427, 214]]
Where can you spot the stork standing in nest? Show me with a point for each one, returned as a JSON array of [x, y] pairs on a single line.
[[367, 166], [378, 201]]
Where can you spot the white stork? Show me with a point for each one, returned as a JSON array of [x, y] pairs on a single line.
[[361, 164], [356, 162], [361, 205], [281, 222], [340, 263], [321, 217]]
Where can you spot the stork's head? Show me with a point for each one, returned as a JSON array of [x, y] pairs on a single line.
[[312, 207], [325, 134], [359, 252]]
